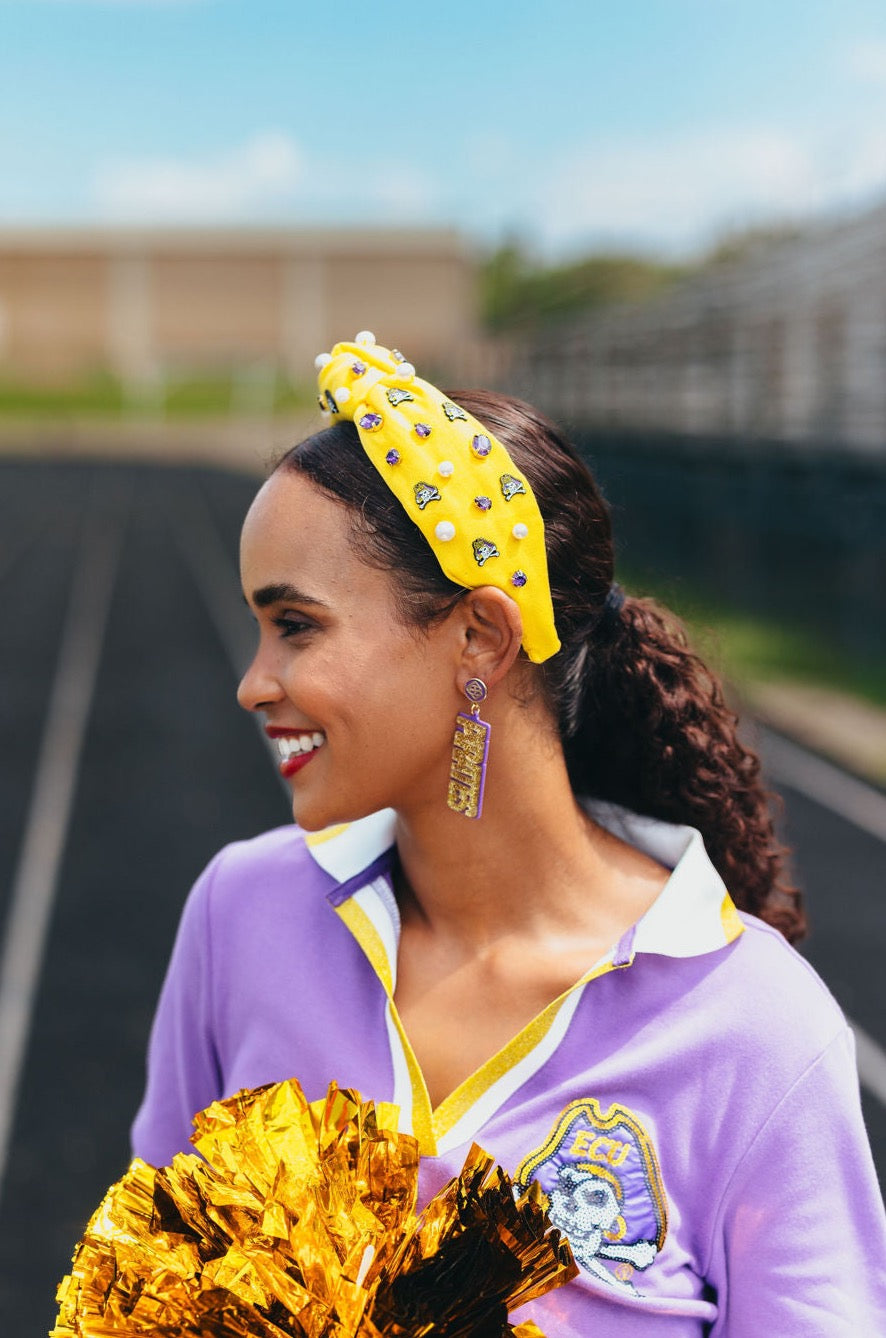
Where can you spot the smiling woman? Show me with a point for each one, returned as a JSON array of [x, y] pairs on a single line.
[[533, 898], [336, 660]]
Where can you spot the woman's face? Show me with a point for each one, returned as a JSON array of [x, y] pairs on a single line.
[[361, 706]]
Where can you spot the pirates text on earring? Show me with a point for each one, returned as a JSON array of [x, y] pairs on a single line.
[[470, 750]]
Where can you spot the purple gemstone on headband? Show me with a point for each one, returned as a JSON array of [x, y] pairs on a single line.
[[422, 430], [518, 578], [358, 368], [370, 421], [392, 458], [484, 503], [481, 445]]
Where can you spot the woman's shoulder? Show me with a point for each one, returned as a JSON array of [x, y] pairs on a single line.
[[779, 994], [277, 864], [280, 846]]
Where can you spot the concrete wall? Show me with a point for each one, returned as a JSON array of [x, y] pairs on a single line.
[[146, 304]]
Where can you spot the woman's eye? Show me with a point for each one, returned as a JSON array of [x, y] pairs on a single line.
[[291, 626]]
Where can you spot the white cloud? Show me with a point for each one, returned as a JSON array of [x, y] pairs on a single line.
[[242, 183], [405, 195], [866, 60], [681, 190], [863, 168], [268, 177]]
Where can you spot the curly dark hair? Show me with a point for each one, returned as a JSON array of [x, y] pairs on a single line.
[[643, 721]]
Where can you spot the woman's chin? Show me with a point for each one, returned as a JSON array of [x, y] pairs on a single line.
[[310, 818], [312, 814]]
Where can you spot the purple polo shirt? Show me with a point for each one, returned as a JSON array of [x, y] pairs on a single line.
[[690, 1107]]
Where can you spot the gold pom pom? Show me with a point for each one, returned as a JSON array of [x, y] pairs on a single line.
[[301, 1221]]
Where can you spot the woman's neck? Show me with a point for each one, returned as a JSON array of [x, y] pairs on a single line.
[[533, 864]]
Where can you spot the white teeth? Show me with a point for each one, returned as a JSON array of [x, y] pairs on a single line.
[[291, 745]]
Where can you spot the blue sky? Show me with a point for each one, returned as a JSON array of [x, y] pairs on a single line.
[[646, 124]]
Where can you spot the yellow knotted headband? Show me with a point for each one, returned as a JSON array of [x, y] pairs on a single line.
[[452, 476]]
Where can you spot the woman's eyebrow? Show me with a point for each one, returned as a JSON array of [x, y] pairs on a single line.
[[283, 593]]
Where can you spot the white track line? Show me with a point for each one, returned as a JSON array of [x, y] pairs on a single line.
[[218, 581], [861, 804], [870, 1059], [871, 1063], [215, 574], [43, 842]]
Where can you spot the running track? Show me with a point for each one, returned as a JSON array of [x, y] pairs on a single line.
[[124, 765]]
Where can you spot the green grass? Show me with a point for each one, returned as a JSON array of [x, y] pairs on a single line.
[[103, 396], [98, 396], [744, 647]]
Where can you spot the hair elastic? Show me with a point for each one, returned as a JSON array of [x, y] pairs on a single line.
[[614, 601]]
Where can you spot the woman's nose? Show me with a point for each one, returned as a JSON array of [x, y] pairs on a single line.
[[259, 686]]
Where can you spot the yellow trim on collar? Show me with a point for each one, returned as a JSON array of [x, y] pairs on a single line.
[[473, 1088], [370, 940], [693, 914], [730, 918], [454, 479]]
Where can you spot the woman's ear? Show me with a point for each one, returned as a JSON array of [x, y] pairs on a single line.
[[492, 635]]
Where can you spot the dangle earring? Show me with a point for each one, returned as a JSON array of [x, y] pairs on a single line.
[[470, 749]]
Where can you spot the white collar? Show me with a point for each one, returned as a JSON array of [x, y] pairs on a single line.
[[692, 915]]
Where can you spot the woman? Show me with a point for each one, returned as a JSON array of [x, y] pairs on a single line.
[[520, 931]]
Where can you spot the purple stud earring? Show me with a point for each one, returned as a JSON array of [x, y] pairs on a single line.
[[470, 751]]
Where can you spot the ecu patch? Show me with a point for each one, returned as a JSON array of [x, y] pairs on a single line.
[[601, 1178]]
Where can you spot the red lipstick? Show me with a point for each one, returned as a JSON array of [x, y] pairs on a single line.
[[296, 762]]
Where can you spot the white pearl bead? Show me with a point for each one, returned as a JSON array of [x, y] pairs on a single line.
[[446, 469], [520, 531], [405, 371], [444, 530], [341, 395], [365, 338], [321, 360]]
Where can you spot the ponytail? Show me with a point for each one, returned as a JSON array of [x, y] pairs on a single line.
[[656, 735]]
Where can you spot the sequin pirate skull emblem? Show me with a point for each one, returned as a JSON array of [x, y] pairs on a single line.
[[424, 493], [601, 1178], [484, 550], [510, 486]]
